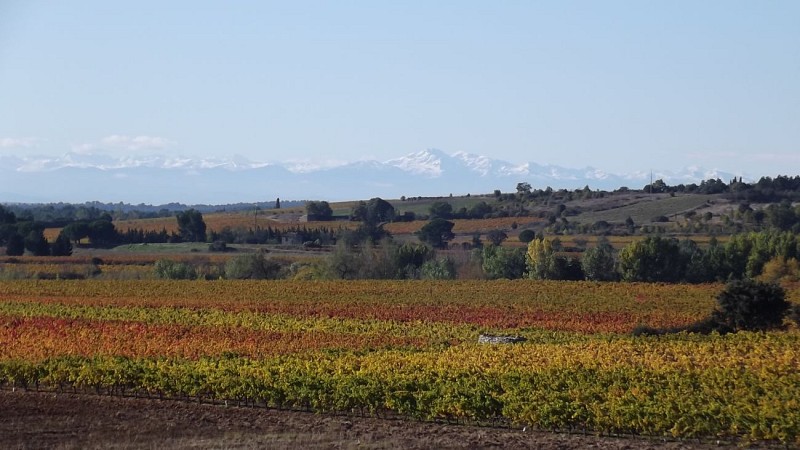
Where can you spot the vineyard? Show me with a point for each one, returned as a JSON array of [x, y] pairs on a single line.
[[409, 349], [218, 221]]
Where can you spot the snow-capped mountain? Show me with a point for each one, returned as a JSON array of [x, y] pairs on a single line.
[[81, 176]]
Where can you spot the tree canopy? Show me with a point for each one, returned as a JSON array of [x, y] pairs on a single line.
[[436, 233], [191, 226], [319, 211]]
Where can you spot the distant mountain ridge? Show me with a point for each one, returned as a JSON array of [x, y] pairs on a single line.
[[80, 177]]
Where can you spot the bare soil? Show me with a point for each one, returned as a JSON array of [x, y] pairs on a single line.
[[31, 420]]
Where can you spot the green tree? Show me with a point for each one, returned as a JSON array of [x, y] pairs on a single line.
[[598, 262], [254, 266], [694, 259], [501, 262], [62, 246], [15, 245], [568, 269], [6, 231], [438, 269], [409, 259], [7, 216], [102, 233], [751, 305], [191, 226], [737, 252], [344, 262], [319, 211], [36, 243], [359, 212], [479, 210], [436, 233], [379, 211], [652, 259], [541, 260], [371, 232], [373, 216], [630, 224], [496, 237], [378, 261], [715, 266], [527, 235], [767, 245], [173, 270], [76, 231], [781, 216], [441, 210], [8, 225]]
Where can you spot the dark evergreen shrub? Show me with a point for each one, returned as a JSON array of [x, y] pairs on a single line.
[[751, 305]]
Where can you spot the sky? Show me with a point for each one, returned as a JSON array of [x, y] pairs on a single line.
[[618, 85]]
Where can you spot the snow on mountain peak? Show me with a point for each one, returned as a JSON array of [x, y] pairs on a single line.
[[226, 179], [426, 162], [481, 164]]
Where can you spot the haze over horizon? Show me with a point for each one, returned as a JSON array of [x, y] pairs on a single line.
[[620, 86], [159, 179]]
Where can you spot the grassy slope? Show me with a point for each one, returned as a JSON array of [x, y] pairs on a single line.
[[614, 208], [645, 208]]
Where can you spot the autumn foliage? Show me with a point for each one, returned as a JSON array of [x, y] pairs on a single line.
[[410, 349]]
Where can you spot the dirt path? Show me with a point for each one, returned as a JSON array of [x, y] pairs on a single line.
[[66, 421]]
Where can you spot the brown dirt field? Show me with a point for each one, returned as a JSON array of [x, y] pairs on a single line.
[[31, 420]]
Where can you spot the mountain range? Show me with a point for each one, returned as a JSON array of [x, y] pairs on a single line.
[[80, 177]]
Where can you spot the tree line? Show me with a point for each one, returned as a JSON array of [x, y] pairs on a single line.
[[669, 260], [19, 235]]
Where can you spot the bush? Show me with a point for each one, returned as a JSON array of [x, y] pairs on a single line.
[[172, 270], [527, 236], [751, 305], [496, 237], [438, 269], [252, 266]]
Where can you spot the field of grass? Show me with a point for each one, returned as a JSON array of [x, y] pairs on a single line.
[[218, 221], [465, 226], [422, 206], [409, 349], [645, 208]]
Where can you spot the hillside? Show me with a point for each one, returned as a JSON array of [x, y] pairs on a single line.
[[511, 216]]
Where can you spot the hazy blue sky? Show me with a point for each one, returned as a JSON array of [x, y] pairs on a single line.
[[621, 86]]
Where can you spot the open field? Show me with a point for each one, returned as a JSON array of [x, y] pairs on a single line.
[[409, 350], [643, 208], [218, 221], [215, 222], [422, 206], [467, 226], [65, 421]]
